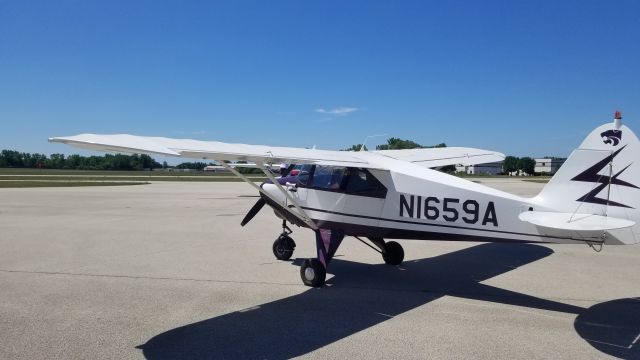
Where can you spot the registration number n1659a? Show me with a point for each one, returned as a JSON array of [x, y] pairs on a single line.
[[447, 209]]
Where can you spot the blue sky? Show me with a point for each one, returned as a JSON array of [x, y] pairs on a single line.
[[521, 77]]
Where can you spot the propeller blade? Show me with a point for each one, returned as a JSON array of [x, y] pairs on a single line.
[[254, 210]]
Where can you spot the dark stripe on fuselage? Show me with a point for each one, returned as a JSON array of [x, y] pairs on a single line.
[[394, 233], [444, 225]]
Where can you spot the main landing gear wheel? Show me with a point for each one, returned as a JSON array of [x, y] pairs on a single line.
[[283, 247], [393, 253], [313, 273]]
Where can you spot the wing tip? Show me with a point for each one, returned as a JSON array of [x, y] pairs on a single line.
[[85, 141]]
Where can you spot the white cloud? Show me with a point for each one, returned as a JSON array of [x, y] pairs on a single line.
[[339, 111]]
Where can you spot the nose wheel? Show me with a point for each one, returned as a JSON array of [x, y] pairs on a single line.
[[284, 245]]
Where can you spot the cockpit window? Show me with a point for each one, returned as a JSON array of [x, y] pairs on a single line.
[[352, 181], [329, 178], [304, 173]]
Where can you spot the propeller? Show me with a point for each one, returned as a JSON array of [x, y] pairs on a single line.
[[253, 211]]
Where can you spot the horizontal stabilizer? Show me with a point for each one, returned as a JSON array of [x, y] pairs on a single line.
[[574, 222]]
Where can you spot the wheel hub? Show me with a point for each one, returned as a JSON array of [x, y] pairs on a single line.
[[309, 274]]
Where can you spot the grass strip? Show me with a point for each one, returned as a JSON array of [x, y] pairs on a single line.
[[25, 171]]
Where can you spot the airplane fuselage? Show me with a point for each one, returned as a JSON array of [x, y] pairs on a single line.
[[418, 203]]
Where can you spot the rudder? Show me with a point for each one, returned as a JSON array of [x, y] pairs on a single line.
[[601, 177]]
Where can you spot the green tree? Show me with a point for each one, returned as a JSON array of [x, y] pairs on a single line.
[[72, 162], [12, 158], [56, 161], [356, 147], [398, 144], [510, 164], [527, 165]]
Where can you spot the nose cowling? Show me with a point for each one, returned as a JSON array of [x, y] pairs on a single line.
[[272, 190]]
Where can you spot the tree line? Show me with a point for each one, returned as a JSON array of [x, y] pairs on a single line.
[[16, 159], [394, 143]]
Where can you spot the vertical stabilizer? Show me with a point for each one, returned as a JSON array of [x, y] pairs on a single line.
[[601, 177]]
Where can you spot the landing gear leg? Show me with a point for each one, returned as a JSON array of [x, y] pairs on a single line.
[[392, 252], [314, 271], [284, 245]]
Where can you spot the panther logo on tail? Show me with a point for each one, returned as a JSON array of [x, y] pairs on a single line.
[[612, 137]]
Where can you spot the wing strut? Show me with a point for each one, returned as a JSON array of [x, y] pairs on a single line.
[[302, 215]]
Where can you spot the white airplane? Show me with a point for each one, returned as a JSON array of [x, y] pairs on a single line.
[[393, 194]]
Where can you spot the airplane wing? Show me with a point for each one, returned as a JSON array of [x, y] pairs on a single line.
[[435, 157], [214, 150]]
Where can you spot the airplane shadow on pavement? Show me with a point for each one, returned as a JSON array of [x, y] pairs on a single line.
[[362, 296]]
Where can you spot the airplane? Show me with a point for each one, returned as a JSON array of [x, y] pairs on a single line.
[[379, 195]]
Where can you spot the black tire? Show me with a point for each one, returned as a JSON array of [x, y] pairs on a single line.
[[393, 253], [283, 247], [313, 273]]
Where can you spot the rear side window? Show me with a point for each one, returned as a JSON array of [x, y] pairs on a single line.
[[362, 183]]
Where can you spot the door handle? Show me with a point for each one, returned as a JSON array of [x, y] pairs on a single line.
[[291, 187]]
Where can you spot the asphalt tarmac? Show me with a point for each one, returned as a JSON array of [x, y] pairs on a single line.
[[164, 271]]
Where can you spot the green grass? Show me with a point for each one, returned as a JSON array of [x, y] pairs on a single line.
[[21, 171], [39, 183]]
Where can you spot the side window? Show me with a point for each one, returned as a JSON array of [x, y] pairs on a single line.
[[304, 174], [362, 183], [328, 178]]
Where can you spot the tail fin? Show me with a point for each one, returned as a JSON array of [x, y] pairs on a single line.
[[601, 177]]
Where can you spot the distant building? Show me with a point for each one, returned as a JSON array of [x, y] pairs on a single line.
[[214, 168], [493, 168], [548, 165]]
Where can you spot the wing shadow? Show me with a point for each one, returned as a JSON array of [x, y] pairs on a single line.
[[361, 296]]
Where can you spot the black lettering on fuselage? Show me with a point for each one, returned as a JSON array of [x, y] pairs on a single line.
[[431, 212], [447, 209], [404, 205], [490, 215]]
